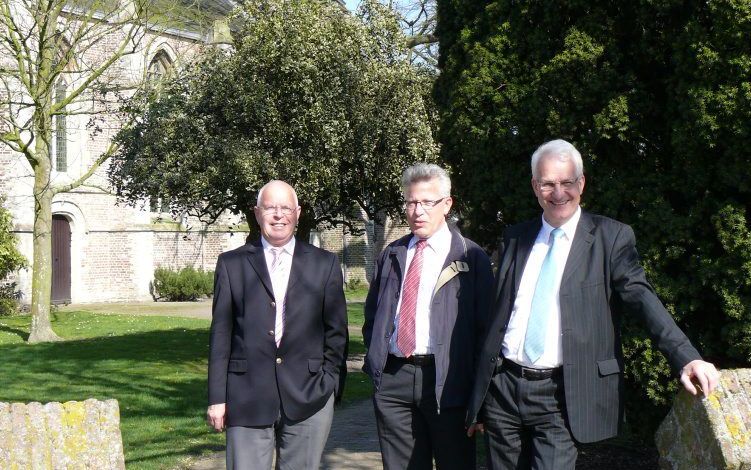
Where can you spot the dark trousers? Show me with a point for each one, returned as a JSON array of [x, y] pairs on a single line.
[[525, 424], [411, 430]]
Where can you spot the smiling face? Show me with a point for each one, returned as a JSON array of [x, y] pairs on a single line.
[[277, 227], [557, 188], [424, 223]]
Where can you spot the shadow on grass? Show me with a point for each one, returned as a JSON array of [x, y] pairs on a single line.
[[24, 335]]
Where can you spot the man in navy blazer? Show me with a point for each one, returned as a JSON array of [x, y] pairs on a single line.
[[424, 317], [277, 343], [551, 372]]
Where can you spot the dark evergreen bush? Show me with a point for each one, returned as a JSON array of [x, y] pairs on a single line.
[[183, 285], [657, 97]]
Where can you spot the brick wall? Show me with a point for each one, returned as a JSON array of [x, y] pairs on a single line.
[[357, 253]]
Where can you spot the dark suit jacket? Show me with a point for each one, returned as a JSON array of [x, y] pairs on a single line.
[[457, 321], [246, 369], [601, 279]]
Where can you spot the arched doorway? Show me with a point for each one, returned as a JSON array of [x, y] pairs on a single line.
[[60, 260]]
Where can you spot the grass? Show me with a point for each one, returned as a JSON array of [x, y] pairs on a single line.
[[356, 293], [154, 366]]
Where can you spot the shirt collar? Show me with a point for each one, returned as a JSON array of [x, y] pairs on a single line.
[[442, 237], [288, 247], [569, 228]]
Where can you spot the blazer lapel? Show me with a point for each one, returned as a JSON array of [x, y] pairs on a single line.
[[258, 262], [299, 258], [583, 239], [524, 248]]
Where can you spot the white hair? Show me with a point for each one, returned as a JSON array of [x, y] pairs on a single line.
[[561, 149], [426, 172]]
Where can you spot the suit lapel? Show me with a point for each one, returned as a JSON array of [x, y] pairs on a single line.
[[524, 248], [583, 239], [299, 259], [398, 254], [258, 262]]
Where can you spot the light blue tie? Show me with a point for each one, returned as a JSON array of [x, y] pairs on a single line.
[[542, 302]]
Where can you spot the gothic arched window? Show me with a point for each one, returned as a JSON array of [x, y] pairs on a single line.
[[159, 67], [60, 146]]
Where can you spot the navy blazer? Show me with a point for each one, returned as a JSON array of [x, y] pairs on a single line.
[[602, 279], [246, 369], [458, 316]]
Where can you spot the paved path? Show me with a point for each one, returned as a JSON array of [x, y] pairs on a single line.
[[352, 444], [198, 309]]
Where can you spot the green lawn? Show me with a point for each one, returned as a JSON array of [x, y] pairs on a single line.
[[355, 314], [154, 366]]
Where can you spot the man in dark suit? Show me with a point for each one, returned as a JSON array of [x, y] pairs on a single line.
[[551, 372], [277, 344], [424, 317]]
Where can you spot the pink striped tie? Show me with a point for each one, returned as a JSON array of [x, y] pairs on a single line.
[[405, 339], [276, 272]]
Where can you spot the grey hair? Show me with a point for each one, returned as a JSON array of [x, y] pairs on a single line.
[[563, 150], [426, 172], [260, 192]]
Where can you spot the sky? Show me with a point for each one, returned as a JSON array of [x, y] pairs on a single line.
[[352, 4]]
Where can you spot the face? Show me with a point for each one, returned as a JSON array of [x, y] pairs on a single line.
[[424, 223], [557, 189], [276, 226]]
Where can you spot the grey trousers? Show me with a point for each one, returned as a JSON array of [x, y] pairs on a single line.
[[298, 444], [525, 424], [411, 430]]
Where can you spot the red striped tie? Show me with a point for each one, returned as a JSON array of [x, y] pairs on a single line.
[[405, 339]]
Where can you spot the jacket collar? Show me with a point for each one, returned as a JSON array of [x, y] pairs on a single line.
[[257, 261], [457, 250], [583, 239]]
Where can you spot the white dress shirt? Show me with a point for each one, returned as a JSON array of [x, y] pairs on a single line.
[[513, 340], [279, 280], [433, 258]]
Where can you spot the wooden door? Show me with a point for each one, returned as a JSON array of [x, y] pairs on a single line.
[[60, 260]]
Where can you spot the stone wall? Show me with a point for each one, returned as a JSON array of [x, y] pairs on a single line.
[[80, 435], [712, 433]]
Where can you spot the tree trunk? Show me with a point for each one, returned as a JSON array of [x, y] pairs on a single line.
[[305, 224], [41, 277]]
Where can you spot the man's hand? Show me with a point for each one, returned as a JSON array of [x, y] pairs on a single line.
[[215, 416], [702, 372], [475, 427]]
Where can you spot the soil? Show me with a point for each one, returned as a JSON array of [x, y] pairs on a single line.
[[616, 456]]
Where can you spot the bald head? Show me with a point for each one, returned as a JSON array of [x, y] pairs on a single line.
[[276, 185]]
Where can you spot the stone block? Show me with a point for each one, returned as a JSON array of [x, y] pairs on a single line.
[[71, 435], [711, 433]]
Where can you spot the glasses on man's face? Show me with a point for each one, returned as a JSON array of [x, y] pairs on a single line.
[[286, 210], [549, 186], [426, 205]]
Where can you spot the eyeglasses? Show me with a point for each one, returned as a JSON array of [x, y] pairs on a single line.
[[549, 186], [286, 210], [427, 206]]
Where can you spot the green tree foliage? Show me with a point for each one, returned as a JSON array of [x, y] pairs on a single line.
[[657, 97], [314, 96], [11, 260]]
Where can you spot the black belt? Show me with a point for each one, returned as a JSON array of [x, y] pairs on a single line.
[[528, 373], [419, 360]]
